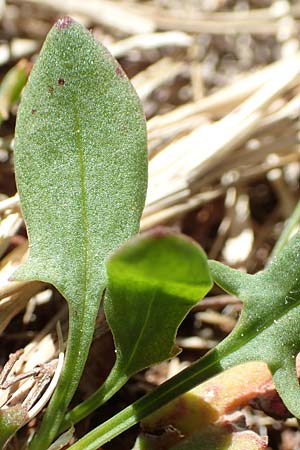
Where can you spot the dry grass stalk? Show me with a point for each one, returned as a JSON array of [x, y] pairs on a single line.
[[150, 41], [17, 49], [182, 165], [221, 102], [148, 80], [14, 295], [9, 203], [118, 16], [8, 228], [262, 21]]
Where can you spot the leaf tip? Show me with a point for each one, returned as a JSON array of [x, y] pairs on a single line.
[[64, 22]]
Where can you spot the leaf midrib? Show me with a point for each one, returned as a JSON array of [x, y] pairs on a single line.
[[141, 333], [265, 326], [79, 146]]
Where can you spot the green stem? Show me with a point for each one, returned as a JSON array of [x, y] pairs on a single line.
[[287, 232], [198, 372], [113, 383], [79, 340]]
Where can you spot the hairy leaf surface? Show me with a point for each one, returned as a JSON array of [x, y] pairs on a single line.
[[80, 162], [81, 169], [269, 326]]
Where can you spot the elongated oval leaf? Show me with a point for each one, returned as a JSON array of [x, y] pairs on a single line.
[[81, 169], [154, 281], [80, 161]]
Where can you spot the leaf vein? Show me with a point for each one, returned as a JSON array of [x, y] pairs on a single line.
[[143, 328], [78, 140]]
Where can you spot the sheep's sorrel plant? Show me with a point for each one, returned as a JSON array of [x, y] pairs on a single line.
[[81, 168]]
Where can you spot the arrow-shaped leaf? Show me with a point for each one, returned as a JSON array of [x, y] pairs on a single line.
[[154, 281], [81, 168], [269, 326]]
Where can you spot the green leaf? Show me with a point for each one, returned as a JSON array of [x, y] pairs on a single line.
[[154, 281], [11, 87], [81, 169]]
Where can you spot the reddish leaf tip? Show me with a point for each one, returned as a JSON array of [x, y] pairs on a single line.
[[64, 22]]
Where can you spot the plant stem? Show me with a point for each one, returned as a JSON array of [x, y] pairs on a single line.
[[113, 383], [287, 232], [198, 372], [81, 329]]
